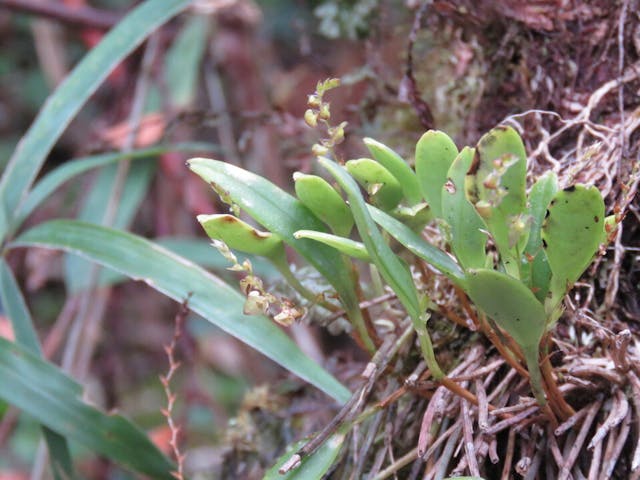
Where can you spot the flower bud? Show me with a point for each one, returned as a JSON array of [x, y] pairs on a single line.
[[311, 118], [319, 150]]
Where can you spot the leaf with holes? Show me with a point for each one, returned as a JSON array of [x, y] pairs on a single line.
[[435, 152]]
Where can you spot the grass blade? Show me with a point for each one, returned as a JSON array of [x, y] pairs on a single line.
[[39, 389], [56, 178], [177, 277], [13, 301], [67, 100]]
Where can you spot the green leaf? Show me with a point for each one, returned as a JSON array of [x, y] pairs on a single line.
[[177, 277], [495, 185], [391, 268], [201, 253], [398, 168], [418, 246], [344, 245], [56, 178], [25, 334], [71, 95], [78, 271], [241, 236], [183, 59], [383, 188], [510, 303], [16, 308], [415, 217], [282, 214], [535, 270], [467, 240], [435, 152], [42, 391], [313, 467], [571, 234], [325, 203]]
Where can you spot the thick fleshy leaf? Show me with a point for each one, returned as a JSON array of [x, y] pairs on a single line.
[[398, 168], [282, 214], [510, 303], [383, 188], [571, 234], [42, 391], [241, 236], [178, 278], [390, 266], [71, 95], [313, 467], [435, 152], [415, 217], [466, 237], [418, 246], [535, 270], [344, 245], [495, 185], [323, 200]]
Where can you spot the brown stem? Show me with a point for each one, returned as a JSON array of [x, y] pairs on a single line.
[[559, 405], [81, 16], [509, 356]]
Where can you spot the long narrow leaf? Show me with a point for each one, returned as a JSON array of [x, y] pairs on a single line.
[[26, 336], [16, 308], [67, 100], [53, 180], [177, 278], [77, 271], [41, 390], [418, 246], [393, 271]]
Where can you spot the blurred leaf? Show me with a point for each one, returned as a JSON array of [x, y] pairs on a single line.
[[54, 179], [313, 467], [177, 278], [202, 253], [39, 389], [16, 309], [71, 95], [182, 63], [77, 271], [25, 334]]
